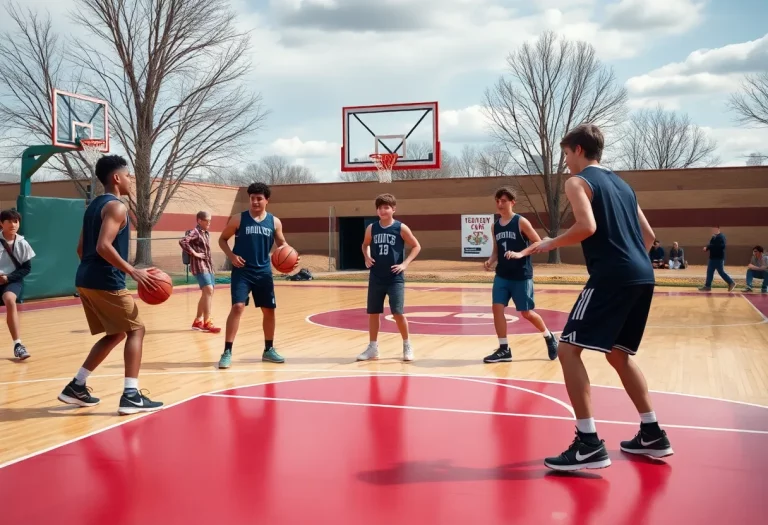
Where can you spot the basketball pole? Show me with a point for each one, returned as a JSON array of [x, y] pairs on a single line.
[[32, 159]]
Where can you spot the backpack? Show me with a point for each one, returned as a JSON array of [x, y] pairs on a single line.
[[185, 255]]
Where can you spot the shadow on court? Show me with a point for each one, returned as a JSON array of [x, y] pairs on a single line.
[[22, 414]]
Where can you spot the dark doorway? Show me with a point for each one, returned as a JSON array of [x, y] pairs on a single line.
[[351, 235]]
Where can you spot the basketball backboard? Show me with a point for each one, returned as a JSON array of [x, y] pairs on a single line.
[[77, 117], [410, 130]]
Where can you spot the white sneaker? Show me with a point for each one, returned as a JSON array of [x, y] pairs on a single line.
[[371, 353], [407, 352]]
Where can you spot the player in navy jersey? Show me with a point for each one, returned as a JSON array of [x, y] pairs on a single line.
[[255, 231], [611, 312], [384, 252], [513, 235], [100, 280]]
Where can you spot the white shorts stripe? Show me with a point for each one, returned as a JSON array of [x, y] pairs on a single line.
[[578, 313]]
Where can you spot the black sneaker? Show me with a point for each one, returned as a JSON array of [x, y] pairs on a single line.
[[20, 351], [650, 441], [80, 395], [136, 403], [551, 346], [499, 356], [581, 454]]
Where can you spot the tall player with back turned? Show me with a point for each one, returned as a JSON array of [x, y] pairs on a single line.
[[611, 312]]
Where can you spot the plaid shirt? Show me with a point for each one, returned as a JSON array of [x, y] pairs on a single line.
[[198, 241]]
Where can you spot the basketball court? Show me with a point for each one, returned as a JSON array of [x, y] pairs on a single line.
[[443, 439]]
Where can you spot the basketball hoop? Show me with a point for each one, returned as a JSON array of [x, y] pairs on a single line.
[[91, 149], [384, 163]]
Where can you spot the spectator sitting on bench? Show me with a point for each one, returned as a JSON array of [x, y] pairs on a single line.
[[657, 255], [676, 257], [758, 269]]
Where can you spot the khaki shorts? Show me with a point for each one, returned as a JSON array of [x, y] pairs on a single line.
[[111, 312]]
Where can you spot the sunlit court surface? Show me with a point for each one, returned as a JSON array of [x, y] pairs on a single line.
[[442, 439]]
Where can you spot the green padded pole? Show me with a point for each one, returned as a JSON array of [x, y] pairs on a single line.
[[31, 160]]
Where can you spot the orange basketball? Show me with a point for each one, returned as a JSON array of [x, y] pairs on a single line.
[[160, 294], [284, 259]]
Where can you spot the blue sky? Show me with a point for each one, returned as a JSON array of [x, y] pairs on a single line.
[[312, 57]]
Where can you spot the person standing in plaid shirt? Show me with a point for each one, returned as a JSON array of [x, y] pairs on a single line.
[[198, 245]]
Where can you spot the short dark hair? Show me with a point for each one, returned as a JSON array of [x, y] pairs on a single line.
[[386, 199], [589, 137], [10, 215], [758, 247], [107, 165], [201, 215], [505, 192], [259, 188]]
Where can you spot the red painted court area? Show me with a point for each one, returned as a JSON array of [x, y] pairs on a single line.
[[395, 449]]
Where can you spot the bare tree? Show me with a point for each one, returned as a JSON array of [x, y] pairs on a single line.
[[658, 139], [751, 102], [756, 159], [275, 169], [32, 63], [554, 85], [174, 74]]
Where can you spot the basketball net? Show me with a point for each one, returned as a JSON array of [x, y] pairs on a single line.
[[91, 149], [384, 163]]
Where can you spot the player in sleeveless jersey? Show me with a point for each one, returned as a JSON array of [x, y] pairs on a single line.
[[611, 312], [513, 235], [384, 252], [256, 231], [100, 280]]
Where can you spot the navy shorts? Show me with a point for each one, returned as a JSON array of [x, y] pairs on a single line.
[[378, 291], [261, 287], [14, 288], [606, 317], [520, 292]]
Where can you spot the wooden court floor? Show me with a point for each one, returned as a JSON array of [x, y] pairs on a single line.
[[713, 345]]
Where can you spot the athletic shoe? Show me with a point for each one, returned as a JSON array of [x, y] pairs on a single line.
[[138, 402], [371, 353], [20, 351], [208, 327], [197, 324], [649, 441], [551, 346], [226, 359], [407, 351], [499, 356], [272, 356], [581, 454], [80, 395]]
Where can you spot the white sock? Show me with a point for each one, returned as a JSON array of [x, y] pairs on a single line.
[[17, 342], [406, 342], [82, 376], [503, 340], [586, 426], [131, 382], [546, 333], [648, 417], [374, 344]]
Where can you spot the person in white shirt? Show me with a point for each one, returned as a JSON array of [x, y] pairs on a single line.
[[757, 269], [15, 264]]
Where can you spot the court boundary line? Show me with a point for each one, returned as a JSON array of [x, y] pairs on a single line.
[[754, 306], [192, 398], [477, 412], [363, 372]]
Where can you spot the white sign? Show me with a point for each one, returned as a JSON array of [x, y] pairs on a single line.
[[476, 239]]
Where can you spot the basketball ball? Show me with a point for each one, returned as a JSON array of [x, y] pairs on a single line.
[[160, 294], [284, 259]]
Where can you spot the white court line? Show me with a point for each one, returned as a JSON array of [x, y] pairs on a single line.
[[477, 412], [367, 373], [750, 303]]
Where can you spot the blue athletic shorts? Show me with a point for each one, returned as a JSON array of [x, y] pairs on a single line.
[[205, 279], [14, 288], [378, 291], [521, 293], [260, 286]]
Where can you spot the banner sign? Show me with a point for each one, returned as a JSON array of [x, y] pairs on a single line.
[[476, 240]]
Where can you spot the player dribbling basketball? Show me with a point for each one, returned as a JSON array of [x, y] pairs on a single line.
[[255, 231], [109, 306], [611, 312]]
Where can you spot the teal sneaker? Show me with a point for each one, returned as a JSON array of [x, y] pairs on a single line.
[[272, 356], [226, 359]]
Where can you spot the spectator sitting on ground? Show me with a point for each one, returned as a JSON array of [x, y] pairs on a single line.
[[676, 257], [657, 255], [757, 269]]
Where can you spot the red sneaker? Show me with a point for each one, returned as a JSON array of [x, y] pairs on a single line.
[[208, 327], [198, 325]]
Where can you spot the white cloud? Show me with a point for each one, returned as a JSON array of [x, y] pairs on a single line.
[[704, 71], [295, 147], [672, 16], [735, 144], [463, 125]]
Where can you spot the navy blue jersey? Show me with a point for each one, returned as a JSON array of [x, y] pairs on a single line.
[[94, 271], [387, 250], [615, 253], [253, 242], [509, 237]]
